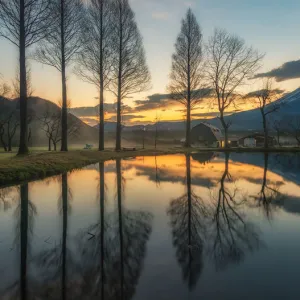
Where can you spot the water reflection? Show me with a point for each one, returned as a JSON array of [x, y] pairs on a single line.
[[188, 213], [159, 224], [232, 236]]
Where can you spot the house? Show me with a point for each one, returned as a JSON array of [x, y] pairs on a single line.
[[256, 140], [206, 135]]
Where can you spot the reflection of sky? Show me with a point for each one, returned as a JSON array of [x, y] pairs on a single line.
[[260, 271]]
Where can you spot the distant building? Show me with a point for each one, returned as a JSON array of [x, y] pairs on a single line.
[[256, 140], [206, 135]]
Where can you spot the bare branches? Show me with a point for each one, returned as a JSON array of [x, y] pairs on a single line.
[[265, 100], [95, 58], [187, 75], [36, 17], [186, 72], [230, 64], [130, 71], [49, 51]]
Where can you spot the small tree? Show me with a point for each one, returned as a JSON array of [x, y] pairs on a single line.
[[186, 73], [95, 58], [156, 124], [130, 72], [50, 125], [230, 64], [23, 23], [265, 100], [61, 46]]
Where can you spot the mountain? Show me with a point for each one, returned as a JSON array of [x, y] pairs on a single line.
[[289, 109], [36, 108]]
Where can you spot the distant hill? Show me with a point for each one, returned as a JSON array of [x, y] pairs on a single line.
[[242, 121], [36, 108]]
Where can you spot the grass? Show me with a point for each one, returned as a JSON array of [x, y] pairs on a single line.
[[40, 163]]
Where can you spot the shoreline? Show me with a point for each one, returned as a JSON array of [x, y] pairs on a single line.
[[17, 169]]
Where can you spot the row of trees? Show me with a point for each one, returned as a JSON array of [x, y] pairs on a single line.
[[100, 35], [102, 38], [217, 70]]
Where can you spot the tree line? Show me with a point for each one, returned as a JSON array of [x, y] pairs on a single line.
[[101, 38]]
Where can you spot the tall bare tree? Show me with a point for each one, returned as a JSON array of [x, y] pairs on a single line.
[[130, 71], [265, 100], [230, 63], [95, 59], [186, 72], [61, 46], [23, 23]]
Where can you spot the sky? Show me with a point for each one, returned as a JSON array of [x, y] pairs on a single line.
[[270, 26]]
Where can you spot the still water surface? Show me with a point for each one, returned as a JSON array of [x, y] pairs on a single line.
[[202, 226]]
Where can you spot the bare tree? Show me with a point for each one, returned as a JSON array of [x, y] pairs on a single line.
[[60, 47], [130, 72], [278, 128], [230, 64], [16, 83], [95, 58], [23, 23], [265, 100], [4, 89], [50, 124], [186, 72]]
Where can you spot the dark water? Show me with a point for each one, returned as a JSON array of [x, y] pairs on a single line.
[[203, 226]]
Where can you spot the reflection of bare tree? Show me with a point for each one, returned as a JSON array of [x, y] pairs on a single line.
[[24, 213], [188, 214], [127, 247], [269, 193], [5, 198], [52, 262], [232, 236]]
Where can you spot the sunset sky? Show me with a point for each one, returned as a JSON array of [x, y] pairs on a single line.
[[271, 26]]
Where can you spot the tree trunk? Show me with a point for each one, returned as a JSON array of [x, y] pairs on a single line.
[[3, 142], [10, 144], [155, 141], [265, 127], [23, 145], [188, 125], [54, 146], [24, 240], [101, 106], [188, 107], [225, 127], [64, 110], [119, 100], [49, 144], [189, 196]]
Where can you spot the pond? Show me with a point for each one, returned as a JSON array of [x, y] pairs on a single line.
[[199, 226]]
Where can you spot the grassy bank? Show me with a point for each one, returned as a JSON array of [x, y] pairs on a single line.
[[41, 164], [38, 165]]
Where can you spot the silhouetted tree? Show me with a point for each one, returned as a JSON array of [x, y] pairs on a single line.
[[130, 72], [23, 23], [60, 47], [265, 100], [230, 64], [95, 59], [188, 216], [186, 73]]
